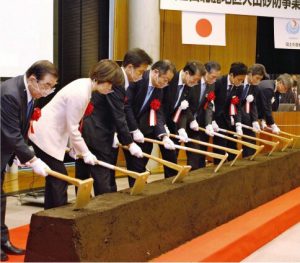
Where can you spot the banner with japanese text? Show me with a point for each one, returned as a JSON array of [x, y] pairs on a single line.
[[271, 8], [287, 33]]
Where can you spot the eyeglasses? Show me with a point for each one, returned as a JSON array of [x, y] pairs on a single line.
[[45, 88], [46, 85]]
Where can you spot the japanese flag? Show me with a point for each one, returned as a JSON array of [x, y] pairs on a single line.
[[203, 28]]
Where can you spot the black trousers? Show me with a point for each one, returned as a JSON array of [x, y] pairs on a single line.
[[114, 160], [247, 121], [224, 142], [196, 160], [139, 164], [55, 189], [4, 229], [104, 180]]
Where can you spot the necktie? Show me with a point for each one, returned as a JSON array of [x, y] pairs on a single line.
[[245, 91], [179, 93], [202, 90], [29, 108], [149, 92], [229, 90]]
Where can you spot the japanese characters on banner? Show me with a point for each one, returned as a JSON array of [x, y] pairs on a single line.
[[203, 29], [287, 33], [271, 8]]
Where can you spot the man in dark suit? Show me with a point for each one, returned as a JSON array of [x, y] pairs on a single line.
[[227, 115], [175, 98], [17, 99], [248, 103], [268, 95], [108, 118], [296, 91], [144, 113], [200, 112]]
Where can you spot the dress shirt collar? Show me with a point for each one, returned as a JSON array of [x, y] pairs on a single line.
[[126, 78], [29, 97], [180, 78], [229, 82]]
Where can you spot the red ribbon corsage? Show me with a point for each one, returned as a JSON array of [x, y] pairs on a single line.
[[37, 113], [210, 97], [88, 111], [234, 101], [154, 105]]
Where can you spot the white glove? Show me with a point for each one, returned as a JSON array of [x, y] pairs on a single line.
[[256, 127], [183, 135], [215, 126], [73, 154], [263, 124], [89, 158], [138, 136], [168, 143], [194, 125], [238, 128], [275, 128], [38, 166], [116, 141], [135, 150], [209, 130], [18, 163], [167, 129]]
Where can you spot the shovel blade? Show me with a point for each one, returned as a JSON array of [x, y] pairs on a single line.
[[83, 193], [182, 173], [139, 184]]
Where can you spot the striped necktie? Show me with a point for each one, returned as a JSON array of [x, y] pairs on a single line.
[[148, 95]]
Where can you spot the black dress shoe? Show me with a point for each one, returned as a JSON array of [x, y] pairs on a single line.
[[4, 257], [9, 248]]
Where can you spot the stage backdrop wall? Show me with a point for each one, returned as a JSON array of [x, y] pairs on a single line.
[[240, 39]]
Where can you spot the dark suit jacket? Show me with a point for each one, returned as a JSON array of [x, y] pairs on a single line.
[[107, 117], [14, 124], [170, 97], [266, 91], [137, 119], [196, 109], [248, 118], [222, 102]]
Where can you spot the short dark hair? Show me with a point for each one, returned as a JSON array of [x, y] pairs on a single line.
[[163, 66], [258, 69], [136, 57], [238, 68], [107, 71], [193, 67], [286, 80], [40, 68], [212, 65]]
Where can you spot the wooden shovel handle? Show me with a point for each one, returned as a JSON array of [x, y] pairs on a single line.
[[226, 149], [250, 145], [210, 154], [250, 137], [64, 177], [120, 169], [174, 166]]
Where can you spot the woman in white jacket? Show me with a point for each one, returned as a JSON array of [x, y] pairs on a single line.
[[59, 123]]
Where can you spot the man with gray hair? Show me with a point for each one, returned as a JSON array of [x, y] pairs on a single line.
[[268, 97]]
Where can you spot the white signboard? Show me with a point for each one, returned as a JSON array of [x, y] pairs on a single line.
[[26, 28], [272, 8], [287, 33]]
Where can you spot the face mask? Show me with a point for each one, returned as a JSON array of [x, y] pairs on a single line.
[[135, 79], [42, 92]]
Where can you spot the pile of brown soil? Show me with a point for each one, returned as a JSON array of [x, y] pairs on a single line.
[[120, 227]]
